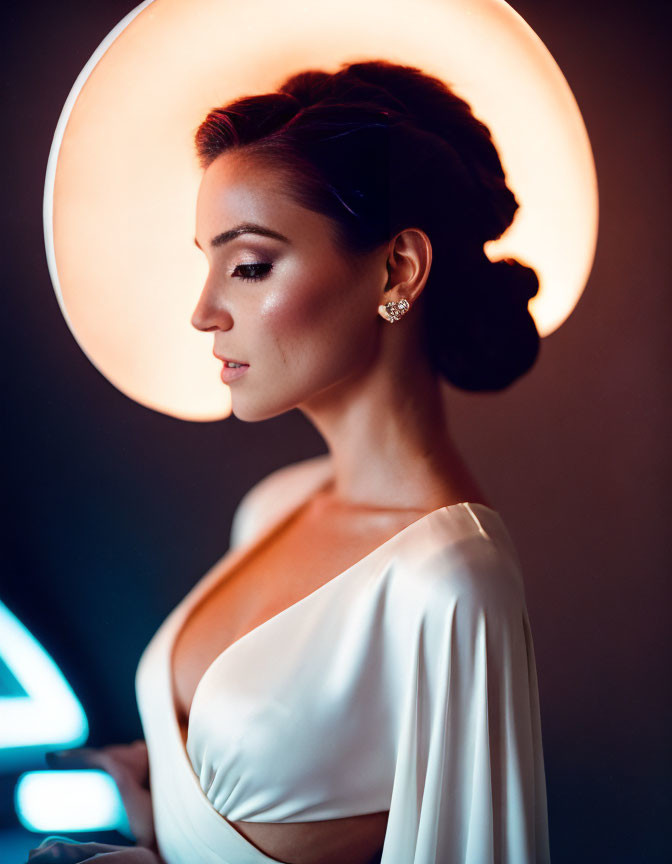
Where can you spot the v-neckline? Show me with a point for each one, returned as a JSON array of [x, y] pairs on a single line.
[[245, 551]]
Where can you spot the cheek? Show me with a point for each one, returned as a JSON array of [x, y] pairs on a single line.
[[318, 340], [304, 321]]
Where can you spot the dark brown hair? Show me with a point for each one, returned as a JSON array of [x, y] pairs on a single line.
[[378, 147]]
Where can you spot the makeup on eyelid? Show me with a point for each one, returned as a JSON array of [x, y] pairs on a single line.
[[256, 266]]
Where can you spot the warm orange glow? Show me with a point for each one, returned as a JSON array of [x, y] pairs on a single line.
[[122, 177]]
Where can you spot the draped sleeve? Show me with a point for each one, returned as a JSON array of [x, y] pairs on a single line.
[[469, 785]]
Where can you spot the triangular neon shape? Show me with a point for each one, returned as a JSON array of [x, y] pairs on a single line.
[[38, 709]]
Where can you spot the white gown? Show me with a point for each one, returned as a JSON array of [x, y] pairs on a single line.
[[406, 683]]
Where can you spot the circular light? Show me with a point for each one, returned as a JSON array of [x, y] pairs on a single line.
[[122, 177]]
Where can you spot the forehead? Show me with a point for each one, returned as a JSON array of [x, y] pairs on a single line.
[[236, 188]]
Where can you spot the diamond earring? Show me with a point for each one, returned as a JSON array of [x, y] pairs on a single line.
[[393, 311]]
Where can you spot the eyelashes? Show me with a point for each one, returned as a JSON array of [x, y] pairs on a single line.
[[254, 269]]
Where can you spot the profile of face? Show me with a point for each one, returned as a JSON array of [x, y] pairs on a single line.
[[292, 306]]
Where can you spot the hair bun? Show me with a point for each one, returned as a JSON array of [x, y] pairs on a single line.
[[488, 338], [517, 280]]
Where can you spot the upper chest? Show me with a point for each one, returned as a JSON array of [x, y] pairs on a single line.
[[305, 553]]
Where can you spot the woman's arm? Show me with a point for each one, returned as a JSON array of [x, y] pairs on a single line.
[[128, 765]]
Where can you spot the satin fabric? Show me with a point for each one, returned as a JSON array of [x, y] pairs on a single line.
[[407, 683]]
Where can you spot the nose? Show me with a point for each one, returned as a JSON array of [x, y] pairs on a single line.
[[211, 312]]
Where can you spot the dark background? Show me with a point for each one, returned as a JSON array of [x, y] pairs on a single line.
[[112, 511]]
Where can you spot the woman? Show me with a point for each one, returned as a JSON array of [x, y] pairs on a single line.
[[355, 680]]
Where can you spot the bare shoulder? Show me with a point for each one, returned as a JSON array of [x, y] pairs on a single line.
[[275, 493], [286, 478]]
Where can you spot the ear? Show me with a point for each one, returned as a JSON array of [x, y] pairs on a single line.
[[408, 264]]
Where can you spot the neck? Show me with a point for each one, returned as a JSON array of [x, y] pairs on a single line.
[[388, 437]]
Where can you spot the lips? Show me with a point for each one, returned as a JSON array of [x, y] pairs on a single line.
[[230, 359]]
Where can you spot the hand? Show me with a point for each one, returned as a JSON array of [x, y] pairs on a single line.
[[61, 850], [128, 765]]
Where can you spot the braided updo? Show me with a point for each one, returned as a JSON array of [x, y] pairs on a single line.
[[378, 147]]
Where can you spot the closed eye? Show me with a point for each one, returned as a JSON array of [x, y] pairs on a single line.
[[254, 271]]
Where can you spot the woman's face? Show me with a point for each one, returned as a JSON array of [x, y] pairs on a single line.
[[299, 312]]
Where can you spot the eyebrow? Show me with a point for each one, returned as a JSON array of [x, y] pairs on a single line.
[[244, 228]]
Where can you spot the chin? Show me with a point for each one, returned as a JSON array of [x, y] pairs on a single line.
[[254, 411]]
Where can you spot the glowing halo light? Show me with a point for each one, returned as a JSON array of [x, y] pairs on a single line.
[[122, 176]]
